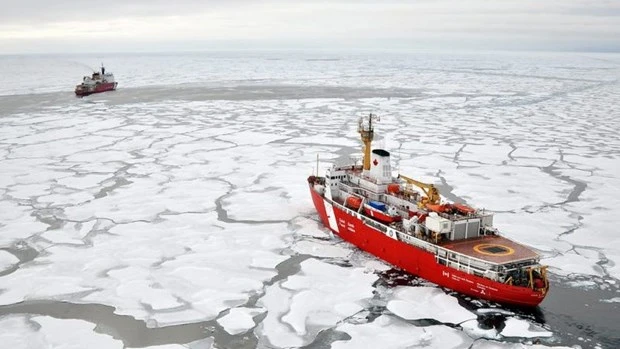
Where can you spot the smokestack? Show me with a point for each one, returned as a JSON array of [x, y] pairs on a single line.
[[380, 168]]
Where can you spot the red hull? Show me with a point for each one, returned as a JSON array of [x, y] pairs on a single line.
[[103, 87], [419, 262]]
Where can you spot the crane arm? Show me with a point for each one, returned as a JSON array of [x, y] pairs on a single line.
[[431, 192]]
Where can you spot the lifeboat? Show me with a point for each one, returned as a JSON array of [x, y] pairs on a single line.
[[353, 202], [444, 208], [380, 212], [393, 188], [464, 209]]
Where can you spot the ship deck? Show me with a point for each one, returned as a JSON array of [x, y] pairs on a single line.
[[493, 248]]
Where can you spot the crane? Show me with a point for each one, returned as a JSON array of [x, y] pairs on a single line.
[[432, 194]]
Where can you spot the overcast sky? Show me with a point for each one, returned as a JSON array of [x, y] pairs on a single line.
[[169, 25]]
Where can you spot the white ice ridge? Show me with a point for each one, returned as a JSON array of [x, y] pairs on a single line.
[[317, 298], [18, 332]]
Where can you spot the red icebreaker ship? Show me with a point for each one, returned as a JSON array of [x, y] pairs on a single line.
[[405, 223], [98, 82]]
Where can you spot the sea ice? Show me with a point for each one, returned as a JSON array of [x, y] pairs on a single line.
[[250, 138], [415, 303], [18, 333], [142, 267], [325, 249], [473, 330], [17, 223], [573, 263], [238, 320], [177, 198], [611, 300], [317, 298], [523, 329], [389, 332], [7, 260], [487, 344], [82, 181], [250, 206], [72, 233], [167, 346]]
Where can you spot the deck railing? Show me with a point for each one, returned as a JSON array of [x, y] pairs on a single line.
[[453, 259]]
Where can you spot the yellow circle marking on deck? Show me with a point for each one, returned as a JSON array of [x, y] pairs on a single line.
[[484, 249]]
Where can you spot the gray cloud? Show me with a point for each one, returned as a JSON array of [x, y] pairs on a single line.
[[34, 11]]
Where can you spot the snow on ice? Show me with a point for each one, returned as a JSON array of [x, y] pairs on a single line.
[[415, 303], [315, 299], [388, 332], [18, 333]]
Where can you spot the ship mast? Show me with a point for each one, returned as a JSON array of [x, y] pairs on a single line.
[[367, 133]]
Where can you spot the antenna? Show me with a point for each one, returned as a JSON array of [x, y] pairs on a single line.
[[317, 164], [399, 158]]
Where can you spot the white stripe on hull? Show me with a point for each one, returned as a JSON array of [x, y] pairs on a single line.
[[331, 216]]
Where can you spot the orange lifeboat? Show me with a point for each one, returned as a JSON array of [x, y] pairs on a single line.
[[393, 188], [438, 208], [464, 209], [353, 202]]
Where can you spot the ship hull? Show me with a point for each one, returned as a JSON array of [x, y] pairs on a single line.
[[103, 87], [415, 260]]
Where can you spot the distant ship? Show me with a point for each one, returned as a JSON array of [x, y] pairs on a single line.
[[405, 223], [99, 82]]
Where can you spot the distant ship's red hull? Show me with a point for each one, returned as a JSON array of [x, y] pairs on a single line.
[[419, 262], [102, 87]]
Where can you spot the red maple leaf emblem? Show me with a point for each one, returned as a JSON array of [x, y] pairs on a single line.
[[376, 162]]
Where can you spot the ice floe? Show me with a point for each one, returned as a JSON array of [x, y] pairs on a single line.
[[317, 298], [389, 332], [487, 344], [18, 332], [143, 269], [239, 320], [17, 223], [523, 329], [415, 303], [7, 260]]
